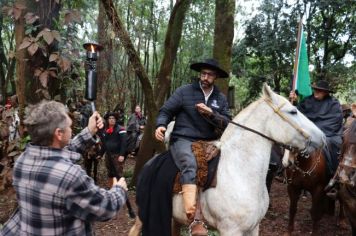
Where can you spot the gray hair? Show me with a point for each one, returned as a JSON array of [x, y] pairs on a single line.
[[43, 119]]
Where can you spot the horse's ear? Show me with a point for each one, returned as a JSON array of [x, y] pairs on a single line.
[[267, 91]]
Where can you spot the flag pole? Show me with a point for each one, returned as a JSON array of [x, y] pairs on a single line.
[[296, 62]]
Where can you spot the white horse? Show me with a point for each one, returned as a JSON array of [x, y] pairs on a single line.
[[240, 200]]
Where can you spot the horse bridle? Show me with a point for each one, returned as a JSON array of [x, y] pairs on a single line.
[[277, 109]]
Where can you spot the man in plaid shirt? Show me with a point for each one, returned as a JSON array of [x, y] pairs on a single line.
[[55, 195]]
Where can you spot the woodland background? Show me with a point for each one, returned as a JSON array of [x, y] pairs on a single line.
[[149, 45]]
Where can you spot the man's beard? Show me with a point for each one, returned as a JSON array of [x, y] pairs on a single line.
[[206, 85]]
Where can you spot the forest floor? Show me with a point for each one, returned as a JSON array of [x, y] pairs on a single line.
[[274, 223]]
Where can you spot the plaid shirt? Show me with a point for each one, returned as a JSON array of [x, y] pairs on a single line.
[[56, 196]]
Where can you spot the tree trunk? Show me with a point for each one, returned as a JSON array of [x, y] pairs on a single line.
[[223, 37], [149, 145], [21, 66], [3, 63], [171, 43], [104, 64], [48, 12]]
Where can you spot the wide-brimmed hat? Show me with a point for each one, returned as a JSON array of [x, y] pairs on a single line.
[[110, 113], [211, 64], [322, 85]]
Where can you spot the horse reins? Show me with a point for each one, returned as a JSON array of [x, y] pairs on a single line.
[[277, 110], [289, 147]]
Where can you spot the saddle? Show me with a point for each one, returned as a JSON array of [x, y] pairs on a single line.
[[204, 152]]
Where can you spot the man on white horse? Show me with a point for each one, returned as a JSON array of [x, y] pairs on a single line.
[[200, 110]]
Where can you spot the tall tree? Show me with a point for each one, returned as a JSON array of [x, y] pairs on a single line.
[[331, 34], [223, 37], [104, 66], [7, 59], [153, 100], [21, 58], [267, 51]]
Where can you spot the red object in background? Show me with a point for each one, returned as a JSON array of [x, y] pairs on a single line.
[[8, 106], [110, 130], [8, 103]]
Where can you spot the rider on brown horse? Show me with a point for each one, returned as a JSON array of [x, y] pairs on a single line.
[[199, 110], [326, 113]]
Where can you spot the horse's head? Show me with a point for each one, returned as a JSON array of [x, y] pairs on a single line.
[[292, 127]]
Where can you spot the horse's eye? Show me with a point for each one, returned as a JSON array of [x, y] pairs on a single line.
[[293, 112]]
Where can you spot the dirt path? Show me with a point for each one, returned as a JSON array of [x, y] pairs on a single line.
[[274, 223]]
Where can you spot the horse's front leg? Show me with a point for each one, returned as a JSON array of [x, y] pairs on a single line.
[[255, 231], [318, 207], [294, 194], [341, 220]]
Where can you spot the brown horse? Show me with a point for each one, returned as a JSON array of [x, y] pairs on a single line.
[[346, 175], [307, 173]]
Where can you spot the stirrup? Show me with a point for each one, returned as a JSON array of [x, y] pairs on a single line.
[[196, 222]]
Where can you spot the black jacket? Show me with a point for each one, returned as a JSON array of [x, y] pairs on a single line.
[[115, 142], [189, 123], [326, 114]]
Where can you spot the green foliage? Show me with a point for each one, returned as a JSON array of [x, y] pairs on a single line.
[[268, 48], [266, 53], [185, 232]]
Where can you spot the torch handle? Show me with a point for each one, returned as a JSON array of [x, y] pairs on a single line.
[[92, 104]]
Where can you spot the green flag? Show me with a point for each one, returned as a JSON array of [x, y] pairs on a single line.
[[301, 80]]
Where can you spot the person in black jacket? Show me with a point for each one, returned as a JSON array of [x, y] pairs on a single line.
[[201, 113], [113, 138], [135, 127], [326, 113]]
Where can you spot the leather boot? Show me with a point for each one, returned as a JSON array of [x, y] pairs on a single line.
[[189, 199], [198, 227]]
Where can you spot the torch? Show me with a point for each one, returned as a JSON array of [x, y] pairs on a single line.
[[90, 87], [90, 72]]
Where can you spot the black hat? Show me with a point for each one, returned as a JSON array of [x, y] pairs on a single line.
[[210, 64], [322, 85], [110, 113]]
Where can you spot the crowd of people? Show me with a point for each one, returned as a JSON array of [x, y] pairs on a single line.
[[56, 197]]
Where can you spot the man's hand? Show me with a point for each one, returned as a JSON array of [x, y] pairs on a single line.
[[121, 158], [122, 183], [95, 123], [293, 96], [159, 134], [204, 109]]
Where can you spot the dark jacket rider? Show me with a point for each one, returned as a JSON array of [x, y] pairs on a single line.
[[199, 110]]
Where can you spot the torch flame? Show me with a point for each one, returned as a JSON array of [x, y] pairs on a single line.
[[92, 48]]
